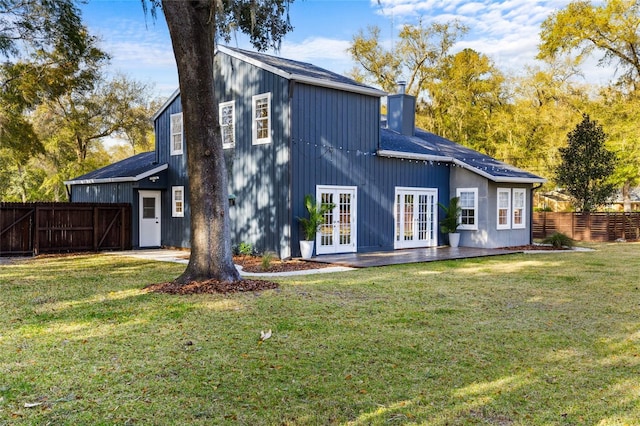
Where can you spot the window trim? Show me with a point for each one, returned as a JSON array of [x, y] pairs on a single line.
[[173, 133], [221, 106], [466, 227], [175, 201], [254, 120], [508, 208], [522, 225]]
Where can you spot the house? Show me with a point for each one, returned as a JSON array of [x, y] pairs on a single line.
[[290, 129]]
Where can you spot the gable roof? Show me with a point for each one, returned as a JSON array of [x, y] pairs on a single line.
[[131, 169], [291, 70], [300, 71], [427, 146]]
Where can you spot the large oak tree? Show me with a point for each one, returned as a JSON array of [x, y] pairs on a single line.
[[194, 27]]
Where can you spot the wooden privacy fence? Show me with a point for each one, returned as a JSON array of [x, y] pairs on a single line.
[[35, 228], [600, 227]]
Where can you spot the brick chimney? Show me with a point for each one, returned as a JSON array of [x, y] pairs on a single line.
[[401, 111]]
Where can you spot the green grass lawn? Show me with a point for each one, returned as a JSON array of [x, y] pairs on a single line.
[[550, 339]]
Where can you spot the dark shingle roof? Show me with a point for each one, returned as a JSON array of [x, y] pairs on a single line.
[[428, 146], [128, 170], [301, 71]]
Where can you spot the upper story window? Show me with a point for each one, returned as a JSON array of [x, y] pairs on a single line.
[[504, 208], [227, 114], [519, 203], [177, 201], [261, 125], [176, 134], [469, 205]]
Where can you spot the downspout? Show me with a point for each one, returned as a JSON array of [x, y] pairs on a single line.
[[68, 190], [533, 189], [290, 168]]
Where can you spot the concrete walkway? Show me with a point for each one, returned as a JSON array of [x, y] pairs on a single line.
[[180, 256]]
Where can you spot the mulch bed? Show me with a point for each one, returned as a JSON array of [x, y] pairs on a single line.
[[211, 287], [249, 264], [254, 264], [537, 247]]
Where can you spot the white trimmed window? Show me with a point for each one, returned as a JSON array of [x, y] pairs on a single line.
[[504, 208], [469, 208], [227, 114], [177, 201], [176, 134], [519, 203], [261, 126]]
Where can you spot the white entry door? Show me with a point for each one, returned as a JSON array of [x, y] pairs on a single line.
[[339, 231], [150, 219], [416, 218]]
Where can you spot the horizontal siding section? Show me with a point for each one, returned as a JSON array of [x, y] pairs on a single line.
[[103, 193]]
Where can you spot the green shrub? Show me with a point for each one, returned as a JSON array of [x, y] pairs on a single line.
[[316, 212], [558, 240], [267, 258], [449, 224], [245, 249]]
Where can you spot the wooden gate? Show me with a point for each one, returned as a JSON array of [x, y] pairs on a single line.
[[35, 228]]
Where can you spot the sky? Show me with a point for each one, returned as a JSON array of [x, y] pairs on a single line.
[[507, 31]]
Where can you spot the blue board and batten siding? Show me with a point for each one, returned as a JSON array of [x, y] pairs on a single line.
[[175, 230], [335, 137], [258, 174]]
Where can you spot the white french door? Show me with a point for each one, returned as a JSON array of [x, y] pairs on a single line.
[[338, 233], [150, 219], [416, 218]]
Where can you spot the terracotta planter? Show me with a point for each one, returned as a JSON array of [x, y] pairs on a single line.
[[306, 249]]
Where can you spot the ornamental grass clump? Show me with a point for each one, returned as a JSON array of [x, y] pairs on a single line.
[[558, 240]]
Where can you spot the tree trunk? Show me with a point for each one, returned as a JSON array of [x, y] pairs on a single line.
[[192, 29]]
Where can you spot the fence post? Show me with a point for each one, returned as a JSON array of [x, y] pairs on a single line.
[[95, 228], [122, 222]]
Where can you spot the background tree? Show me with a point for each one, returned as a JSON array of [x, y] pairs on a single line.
[[194, 27], [581, 29], [463, 99], [540, 107], [587, 166], [418, 57], [620, 113], [458, 93]]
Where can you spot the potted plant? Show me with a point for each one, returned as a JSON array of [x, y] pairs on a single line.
[[311, 224], [449, 224]]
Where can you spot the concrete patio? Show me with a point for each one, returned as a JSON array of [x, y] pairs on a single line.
[[396, 257]]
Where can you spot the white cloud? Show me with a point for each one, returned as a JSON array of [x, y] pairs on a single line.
[[505, 30], [314, 48]]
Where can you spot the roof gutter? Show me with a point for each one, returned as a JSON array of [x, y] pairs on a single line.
[[413, 156], [430, 157]]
